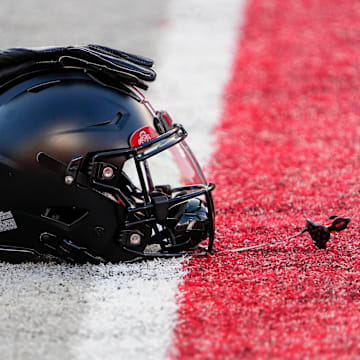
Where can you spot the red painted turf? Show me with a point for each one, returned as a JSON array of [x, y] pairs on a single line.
[[288, 148]]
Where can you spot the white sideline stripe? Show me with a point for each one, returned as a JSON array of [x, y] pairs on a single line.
[[132, 315]]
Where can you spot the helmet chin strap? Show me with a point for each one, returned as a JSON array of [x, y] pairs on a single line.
[[320, 234]]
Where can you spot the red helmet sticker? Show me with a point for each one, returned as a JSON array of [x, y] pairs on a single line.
[[142, 136]]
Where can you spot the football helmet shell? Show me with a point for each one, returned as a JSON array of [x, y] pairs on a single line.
[[91, 172]]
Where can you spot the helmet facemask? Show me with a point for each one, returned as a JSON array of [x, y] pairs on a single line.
[[166, 195]]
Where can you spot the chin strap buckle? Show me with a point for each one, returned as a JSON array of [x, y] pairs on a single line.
[[321, 233]]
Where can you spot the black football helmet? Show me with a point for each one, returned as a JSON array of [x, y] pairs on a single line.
[[89, 171]]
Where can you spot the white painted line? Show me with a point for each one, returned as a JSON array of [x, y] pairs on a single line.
[[132, 311]]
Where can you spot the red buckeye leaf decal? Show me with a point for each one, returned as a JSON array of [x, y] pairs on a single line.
[[142, 136]]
